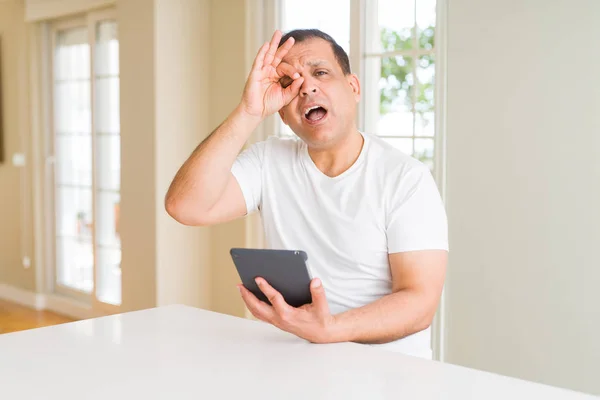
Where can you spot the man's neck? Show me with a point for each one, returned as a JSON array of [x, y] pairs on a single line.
[[337, 159]]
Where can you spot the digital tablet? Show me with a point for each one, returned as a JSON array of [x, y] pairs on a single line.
[[285, 270]]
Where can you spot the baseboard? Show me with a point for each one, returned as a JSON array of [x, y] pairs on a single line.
[[51, 302], [68, 307], [23, 297]]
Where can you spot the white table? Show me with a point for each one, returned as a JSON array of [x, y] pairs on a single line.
[[180, 352]]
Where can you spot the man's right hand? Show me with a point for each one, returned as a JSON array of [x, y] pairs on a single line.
[[263, 93], [204, 191]]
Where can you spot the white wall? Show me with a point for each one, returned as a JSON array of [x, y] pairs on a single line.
[[182, 62], [47, 9], [180, 77], [164, 50], [523, 184], [228, 75], [16, 237], [138, 158]]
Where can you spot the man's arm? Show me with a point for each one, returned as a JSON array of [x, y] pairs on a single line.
[[204, 191], [417, 282]]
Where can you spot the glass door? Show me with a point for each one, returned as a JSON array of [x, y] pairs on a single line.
[[86, 160]]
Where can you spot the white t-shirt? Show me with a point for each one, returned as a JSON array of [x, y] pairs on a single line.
[[386, 202]]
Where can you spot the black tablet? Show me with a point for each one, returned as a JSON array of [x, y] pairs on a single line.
[[285, 270]]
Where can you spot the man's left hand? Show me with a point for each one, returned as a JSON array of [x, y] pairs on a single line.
[[312, 322]]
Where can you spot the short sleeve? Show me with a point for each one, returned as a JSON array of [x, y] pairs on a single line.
[[247, 170], [416, 217]]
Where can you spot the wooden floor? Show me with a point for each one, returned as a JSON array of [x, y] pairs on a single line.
[[14, 317]]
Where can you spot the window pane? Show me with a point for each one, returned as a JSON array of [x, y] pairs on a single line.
[[395, 24], [109, 162], [75, 263], [107, 49], [404, 145], [108, 219], [74, 159], [107, 105], [72, 55], [74, 212], [72, 113], [424, 151], [71, 81], [426, 23], [109, 275], [107, 78], [332, 17], [109, 248], [425, 105], [394, 115]]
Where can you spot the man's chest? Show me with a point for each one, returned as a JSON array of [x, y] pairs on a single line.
[[348, 218]]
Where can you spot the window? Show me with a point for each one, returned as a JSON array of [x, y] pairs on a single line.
[[396, 55], [301, 15], [85, 142], [399, 75]]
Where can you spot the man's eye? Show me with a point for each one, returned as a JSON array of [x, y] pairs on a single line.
[[319, 73], [285, 81]]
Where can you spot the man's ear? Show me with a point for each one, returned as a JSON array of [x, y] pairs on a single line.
[[355, 84], [282, 115]]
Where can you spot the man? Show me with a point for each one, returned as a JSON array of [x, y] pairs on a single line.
[[370, 217]]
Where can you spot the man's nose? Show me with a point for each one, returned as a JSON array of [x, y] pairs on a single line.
[[308, 87]]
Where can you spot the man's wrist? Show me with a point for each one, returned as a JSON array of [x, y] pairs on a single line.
[[337, 329], [245, 117]]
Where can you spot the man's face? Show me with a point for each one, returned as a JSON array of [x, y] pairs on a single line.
[[325, 108]]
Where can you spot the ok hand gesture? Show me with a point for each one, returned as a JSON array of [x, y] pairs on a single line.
[[264, 93]]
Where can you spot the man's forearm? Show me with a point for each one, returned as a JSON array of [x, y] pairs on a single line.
[[390, 318], [201, 180]]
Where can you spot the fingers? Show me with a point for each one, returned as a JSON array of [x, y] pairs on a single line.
[[285, 69], [276, 299], [272, 48], [259, 309], [282, 51], [259, 60], [270, 53], [319, 300], [290, 81], [292, 91]]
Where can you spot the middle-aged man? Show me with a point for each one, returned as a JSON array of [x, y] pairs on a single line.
[[369, 216]]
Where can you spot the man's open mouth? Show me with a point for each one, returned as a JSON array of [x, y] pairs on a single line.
[[315, 113]]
